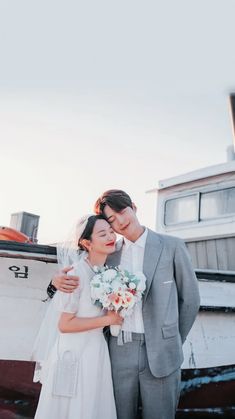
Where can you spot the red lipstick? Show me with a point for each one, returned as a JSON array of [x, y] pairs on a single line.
[[110, 244]]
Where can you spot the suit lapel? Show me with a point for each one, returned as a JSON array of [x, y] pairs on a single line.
[[153, 250]]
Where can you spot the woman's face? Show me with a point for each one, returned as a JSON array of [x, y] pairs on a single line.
[[103, 238]]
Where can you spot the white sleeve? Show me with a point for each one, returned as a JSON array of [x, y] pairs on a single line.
[[68, 303]]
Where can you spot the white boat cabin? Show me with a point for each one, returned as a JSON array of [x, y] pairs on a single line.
[[199, 207]]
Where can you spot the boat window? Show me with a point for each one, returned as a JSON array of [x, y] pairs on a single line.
[[217, 203], [181, 210]]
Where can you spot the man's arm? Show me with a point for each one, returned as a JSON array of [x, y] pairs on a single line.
[[188, 291], [51, 290], [63, 282]]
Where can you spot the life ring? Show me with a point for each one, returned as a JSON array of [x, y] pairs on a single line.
[[10, 234]]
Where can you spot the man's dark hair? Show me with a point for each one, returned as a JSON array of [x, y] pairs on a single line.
[[115, 199]]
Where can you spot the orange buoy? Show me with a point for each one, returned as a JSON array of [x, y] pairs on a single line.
[[10, 234]]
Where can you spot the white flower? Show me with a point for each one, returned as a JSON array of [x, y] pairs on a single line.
[[96, 293], [96, 278], [105, 301], [132, 285], [109, 274], [128, 300], [117, 302], [116, 286]]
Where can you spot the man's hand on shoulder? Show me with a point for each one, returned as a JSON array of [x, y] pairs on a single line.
[[64, 282]]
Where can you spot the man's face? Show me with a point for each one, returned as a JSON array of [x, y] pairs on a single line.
[[123, 222]]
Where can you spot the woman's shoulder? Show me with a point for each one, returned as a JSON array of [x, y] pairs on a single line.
[[81, 267]]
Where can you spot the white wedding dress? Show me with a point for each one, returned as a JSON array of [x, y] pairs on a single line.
[[76, 377]]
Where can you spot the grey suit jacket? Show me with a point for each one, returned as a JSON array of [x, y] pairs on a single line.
[[171, 300]]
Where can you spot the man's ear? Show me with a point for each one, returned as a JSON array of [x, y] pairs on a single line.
[[134, 207]]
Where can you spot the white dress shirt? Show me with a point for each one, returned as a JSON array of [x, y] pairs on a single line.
[[132, 260]]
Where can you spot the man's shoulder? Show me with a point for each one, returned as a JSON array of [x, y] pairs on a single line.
[[166, 238]]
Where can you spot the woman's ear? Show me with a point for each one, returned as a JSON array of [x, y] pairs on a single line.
[[134, 207], [86, 244]]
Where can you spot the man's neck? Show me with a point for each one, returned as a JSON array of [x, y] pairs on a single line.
[[136, 235]]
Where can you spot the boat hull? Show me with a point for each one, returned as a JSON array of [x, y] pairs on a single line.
[[206, 392]]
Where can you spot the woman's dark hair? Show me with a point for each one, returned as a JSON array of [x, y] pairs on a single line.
[[115, 199], [89, 229]]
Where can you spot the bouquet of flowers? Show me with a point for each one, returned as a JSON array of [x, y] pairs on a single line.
[[117, 289]]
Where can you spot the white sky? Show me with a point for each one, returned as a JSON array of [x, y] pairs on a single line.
[[102, 94]]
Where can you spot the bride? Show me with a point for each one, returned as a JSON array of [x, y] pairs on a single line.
[[76, 377]]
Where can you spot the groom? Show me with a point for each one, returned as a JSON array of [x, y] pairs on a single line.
[[147, 369]]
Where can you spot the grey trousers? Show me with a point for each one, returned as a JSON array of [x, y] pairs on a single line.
[[134, 383]]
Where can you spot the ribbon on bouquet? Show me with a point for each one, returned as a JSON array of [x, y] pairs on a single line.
[[124, 336]]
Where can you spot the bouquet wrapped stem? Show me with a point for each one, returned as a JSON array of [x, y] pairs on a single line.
[[115, 329]]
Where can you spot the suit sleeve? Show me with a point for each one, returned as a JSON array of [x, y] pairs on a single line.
[[188, 291]]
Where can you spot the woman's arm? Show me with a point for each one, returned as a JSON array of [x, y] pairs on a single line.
[[69, 323]]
